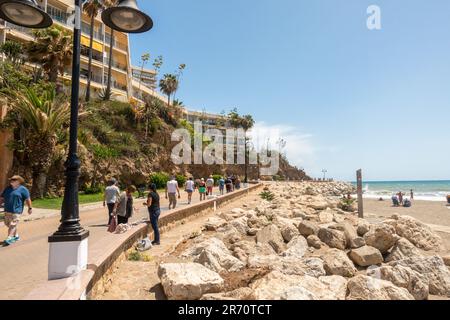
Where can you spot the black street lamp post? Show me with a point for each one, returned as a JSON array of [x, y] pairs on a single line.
[[125, 17], [70, 228]]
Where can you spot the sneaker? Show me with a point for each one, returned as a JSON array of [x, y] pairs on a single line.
[[155, 243], [16, 238], [9, 241]]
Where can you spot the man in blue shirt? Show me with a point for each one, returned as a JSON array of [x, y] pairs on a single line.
[[14, 197]]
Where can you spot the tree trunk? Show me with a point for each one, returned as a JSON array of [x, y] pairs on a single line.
[[108, 85], [245, 159], [39, 183], [91, 43]]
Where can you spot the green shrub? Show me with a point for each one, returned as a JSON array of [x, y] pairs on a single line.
[[160, 179], [216, 178], [94, 190], [267, 195], [181, 180]]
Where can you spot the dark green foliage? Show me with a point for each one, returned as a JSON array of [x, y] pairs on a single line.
[[94, 190], [181, 180], [216, 178], [160, 179], [267, 195]]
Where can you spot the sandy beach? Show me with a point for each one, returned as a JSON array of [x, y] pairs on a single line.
[[434, 213]]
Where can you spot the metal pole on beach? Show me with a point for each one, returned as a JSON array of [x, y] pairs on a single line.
[[360, 193]]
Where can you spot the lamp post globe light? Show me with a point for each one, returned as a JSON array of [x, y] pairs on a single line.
[[126, 17], [25, 13], [68, 250]]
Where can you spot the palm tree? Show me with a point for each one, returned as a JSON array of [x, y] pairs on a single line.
[[144, 59], [52, 49], [247, 123], [168, 85], [13, 52], [107, 96], [44, 117], [91, 8]]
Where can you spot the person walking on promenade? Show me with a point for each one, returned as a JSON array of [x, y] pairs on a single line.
[[121, 209], [229, 184], [110, 196], [154, 212], [189, 186], [238, 183], [221, 185], [202, 189], [209, 185], [171, 192], [14, 197]]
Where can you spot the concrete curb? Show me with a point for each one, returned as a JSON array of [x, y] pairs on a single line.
[[104, 253]]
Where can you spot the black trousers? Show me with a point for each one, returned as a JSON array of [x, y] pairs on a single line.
[[122, 220], [110, 211]]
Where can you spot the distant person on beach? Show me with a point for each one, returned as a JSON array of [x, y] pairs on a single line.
[[412, 194], [14, 197], [395, 201], [400, 197], [154, 212], [110, 196], [202, 189], [189, 186], [221, 185], [171, 192], [407, 203], [210, 185]]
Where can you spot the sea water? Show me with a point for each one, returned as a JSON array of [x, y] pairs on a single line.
[[433, 190]]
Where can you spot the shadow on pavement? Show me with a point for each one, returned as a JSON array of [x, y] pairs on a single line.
[[158, 291]]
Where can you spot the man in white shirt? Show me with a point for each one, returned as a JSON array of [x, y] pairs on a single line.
[[110, 197], [171, 191]]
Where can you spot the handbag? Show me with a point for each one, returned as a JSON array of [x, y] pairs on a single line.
[[113, 225]]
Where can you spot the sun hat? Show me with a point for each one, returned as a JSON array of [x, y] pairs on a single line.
[[17, 178]]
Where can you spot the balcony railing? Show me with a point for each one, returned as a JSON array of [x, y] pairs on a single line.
[[116, 64], [19, 28], [116, 44], [94, 78], [58, 15], [95, 54]]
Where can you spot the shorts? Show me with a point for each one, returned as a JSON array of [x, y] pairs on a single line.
[[210, 190], [11, 219], [172, 197]]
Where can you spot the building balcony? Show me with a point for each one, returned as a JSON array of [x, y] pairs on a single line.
[[116, 44], [98, 56], [116, 65], [23, 30]]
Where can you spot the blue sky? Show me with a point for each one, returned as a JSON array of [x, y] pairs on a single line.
[[343, 96]]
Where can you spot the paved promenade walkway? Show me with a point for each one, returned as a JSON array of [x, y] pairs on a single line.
[[24, 265]]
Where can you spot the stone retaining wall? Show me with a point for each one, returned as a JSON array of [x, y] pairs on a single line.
[[105, 253]]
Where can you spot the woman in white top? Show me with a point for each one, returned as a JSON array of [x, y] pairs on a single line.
[[189, 186]]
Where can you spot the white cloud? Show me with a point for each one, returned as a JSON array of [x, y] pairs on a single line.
[[299, 146]]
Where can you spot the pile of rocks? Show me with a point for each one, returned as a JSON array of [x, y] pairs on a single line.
[[308, 249]]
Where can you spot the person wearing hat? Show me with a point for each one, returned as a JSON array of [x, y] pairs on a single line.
[[154, 211], [110, 198], [14, 197]]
